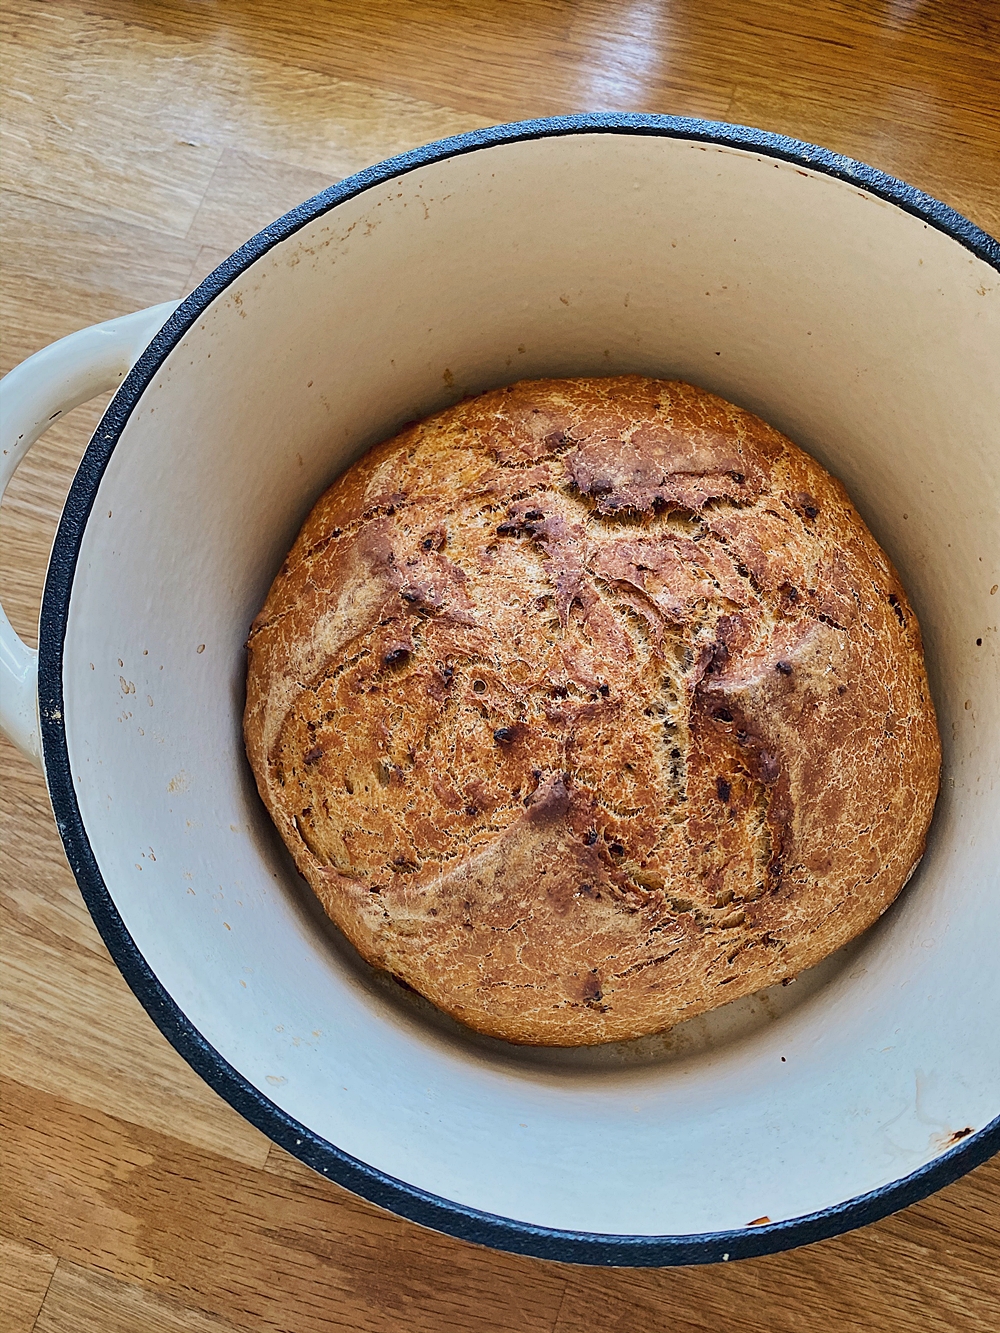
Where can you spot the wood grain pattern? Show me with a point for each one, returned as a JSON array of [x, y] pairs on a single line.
[[25, 1274], [142, 141], [284, 1249], [80, 1300]]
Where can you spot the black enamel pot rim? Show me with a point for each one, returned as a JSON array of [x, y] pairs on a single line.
[[396, 1195]]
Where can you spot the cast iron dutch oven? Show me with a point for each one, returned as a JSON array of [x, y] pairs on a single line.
[[853, 313]]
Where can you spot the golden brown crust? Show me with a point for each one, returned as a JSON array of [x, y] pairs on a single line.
[[586, 706]]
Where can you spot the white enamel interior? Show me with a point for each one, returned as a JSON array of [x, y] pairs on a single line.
[[872, 340]]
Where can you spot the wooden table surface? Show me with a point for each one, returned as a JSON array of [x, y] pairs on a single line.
[[142, 143]]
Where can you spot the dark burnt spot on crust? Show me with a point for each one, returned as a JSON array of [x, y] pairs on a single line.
[[591, 991], [718, 659], [783, 667], [396, 656], [723, 788], [314, 755], [789, 597], [505, 735], [550, 802], [767, 767], [897, 608], [829, 620]]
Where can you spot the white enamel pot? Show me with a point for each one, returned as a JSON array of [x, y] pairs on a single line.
[[853, 313]]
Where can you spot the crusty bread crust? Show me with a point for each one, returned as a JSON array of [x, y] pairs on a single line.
[[586, 706]]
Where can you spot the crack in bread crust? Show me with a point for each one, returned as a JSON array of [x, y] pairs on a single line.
[[587, 706]]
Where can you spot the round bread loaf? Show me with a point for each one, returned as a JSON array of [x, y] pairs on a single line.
[[588, 705]]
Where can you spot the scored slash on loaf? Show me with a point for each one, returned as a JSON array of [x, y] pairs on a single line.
[[586, 706]]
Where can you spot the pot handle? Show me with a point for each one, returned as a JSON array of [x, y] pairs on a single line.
[[32, 396]]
